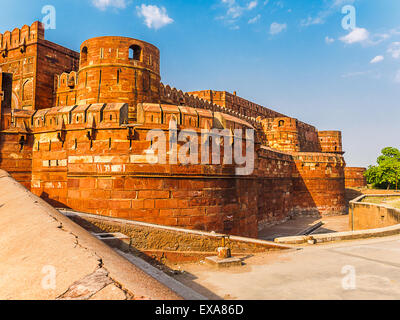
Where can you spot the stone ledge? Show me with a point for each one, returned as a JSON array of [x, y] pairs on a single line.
[[207, 239], [342, 236], [224, 263], [349, 235]]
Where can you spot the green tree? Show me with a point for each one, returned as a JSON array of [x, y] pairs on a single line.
[[387, 173]]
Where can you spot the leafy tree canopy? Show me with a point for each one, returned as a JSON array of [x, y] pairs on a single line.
[[387, 173]]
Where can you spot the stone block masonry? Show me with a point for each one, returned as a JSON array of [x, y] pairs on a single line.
[[355, 177], [74, 130]]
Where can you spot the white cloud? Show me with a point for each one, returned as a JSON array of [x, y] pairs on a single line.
[[357, 35], [255, 19], [329, 9], [394, 50], [312, 21], [369, 73], [355, 74], [154, 17], [276, 28], [104, 4], [377, 59], [236, 9], [252, 5], [235, 12], [329, 40], [338, 3]]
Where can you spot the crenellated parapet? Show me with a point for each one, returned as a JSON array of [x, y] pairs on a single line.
[[21, 38], [236, 104], [65, 88], [97, 116], [174, 96], [186, 117]]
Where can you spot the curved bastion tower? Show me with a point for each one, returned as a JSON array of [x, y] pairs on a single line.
[[74, 127], [113, 70]]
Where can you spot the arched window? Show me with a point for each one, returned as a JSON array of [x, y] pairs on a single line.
[[135, 52], [84, 54], [281, 123]]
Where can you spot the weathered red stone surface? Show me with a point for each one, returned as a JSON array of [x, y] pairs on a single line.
[[355, 177], [77, 137]]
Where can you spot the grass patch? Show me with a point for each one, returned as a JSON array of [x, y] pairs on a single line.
[[393, 201]]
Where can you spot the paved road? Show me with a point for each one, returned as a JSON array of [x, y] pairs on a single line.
[[311, 273]]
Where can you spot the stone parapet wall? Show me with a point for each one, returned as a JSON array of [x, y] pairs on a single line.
[[370, 215], [175, 244]]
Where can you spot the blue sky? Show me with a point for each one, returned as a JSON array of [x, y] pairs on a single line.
[[289, 55]]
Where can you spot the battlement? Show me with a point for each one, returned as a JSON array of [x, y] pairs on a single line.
[[236, 104], [65, 88], [101, 115], [178, 97], [80, 116], [20, 38]]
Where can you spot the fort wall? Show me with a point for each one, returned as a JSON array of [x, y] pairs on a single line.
[[355, 177], [318, 184], [79, 140]]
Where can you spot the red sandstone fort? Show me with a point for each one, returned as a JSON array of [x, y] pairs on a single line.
[[73, 130]]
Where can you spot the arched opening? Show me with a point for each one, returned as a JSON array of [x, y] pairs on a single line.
[[84, 54], [27, 90], [281, 123], [135, 52]]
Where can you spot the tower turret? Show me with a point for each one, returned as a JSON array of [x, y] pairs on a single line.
[[119, 69]]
